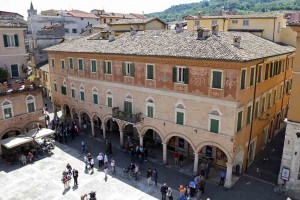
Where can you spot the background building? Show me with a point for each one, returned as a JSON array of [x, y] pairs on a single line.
[[108, 17]]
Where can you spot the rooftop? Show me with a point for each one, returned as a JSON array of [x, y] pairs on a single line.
[[249, 16], [296, 23], [168, 43], [135, 21], [12, 24], [80, 14]]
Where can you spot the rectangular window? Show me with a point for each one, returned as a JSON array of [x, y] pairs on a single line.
[[245, 22], [63, 64], [64, 90], [269, 100], [267, 72], [249, 113], [259, 73], [53, 62], [7, 113], [95, 98], [263, 104], [93, 65], [55, 87], [281, 91], [11, 40], [73, 93], [82, 96], [235, 21], [256, 111], [214, 126], [150, 72], [180, 72], [272, 70], [179, 117], [128, 107], [74, 30], [275, 97], [243, 79], [181, 75], [80, 64], [197, 23], [30, 107], [150, 111], [71, 66], [109, 102], [108, 67], [128, 70], [240, 121], [217, 78], [252, 76], [279, 66]]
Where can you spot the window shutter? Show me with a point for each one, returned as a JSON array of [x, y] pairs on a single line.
[[214, 125], [125, 106], [104, 67], [174, 74], [109, 102], [132, 68], [130, 107], [179, 119], [124, 68], [5, 40], [95, 98], [150, 72], [186, 75], [239, 122], [249, 114], [16, 40]]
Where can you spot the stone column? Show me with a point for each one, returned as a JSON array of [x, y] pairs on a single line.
[[93, 128], [72, 116], [228, 180], [141, 140], [79, 121], [104, 131], [121, 137], [196, 161], [164, 153]]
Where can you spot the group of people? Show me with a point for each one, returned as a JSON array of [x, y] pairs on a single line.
[[166, 192], [67, 175], [24, 158], [178, 158], [64, 132], [89, 162], [194, 188], [136, 152]]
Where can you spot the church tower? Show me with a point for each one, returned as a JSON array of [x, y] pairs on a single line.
[[31, 11]]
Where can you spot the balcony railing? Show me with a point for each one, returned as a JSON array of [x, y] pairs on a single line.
[[17, 86], [128, 117]]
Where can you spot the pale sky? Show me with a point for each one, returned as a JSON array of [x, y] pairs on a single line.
[[125, 6]]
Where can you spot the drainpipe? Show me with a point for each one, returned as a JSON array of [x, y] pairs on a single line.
[[252, 114]]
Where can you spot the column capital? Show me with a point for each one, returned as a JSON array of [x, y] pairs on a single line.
[[196, 154], [229, 164]]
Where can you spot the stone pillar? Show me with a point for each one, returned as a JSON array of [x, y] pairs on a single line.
[[104, 131], [72, 116], [228, 180], [164, 153], [121, 137], [79, 121], [93, 128], [141, 140], [196, 161]]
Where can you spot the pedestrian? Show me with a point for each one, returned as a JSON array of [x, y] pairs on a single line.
[[69, 168], [180, 159], [110, 147], [105, 160], [155, 176], [202, 184], [30, 156], [86, 162], [222, 178], [206, 170], [113, 165], [100, 160], [83, 146], [105, 172], [164, 190], [202, 168], [92, 165], [192, 188], [65, 182], [181, 191], [176, 157], [23, 159], [169, 194], [75, 176], [149, 176]]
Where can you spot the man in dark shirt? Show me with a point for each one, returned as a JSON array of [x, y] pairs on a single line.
[[163, 191]]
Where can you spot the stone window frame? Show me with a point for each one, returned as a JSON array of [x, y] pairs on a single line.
[[222, 79], [6, 106], [30, 99], [129, 98], [146, 71], [241, 109], [180, 107], [216, 115], [82, 64], [73, 88], [109, 94], [95, 91], [245, 81], [82, 89], [150, 103], [91, 61]]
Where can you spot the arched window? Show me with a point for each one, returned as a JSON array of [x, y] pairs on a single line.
[[82, 93], [150, 107], [95, 96], [30, 102], [73, 91], [180, 114], [128, 104], [7, 109], [109, 99], [214, 123], [64, 88]]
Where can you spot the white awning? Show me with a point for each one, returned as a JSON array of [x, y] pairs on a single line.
[[15, 141], [44, 132]]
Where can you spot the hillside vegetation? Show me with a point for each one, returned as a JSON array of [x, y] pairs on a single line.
[[176, 12]]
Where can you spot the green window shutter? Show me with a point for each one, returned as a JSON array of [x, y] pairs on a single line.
[[214, 125], [267, 72], [80, 63], [263, 105], [55, 87], [132, 69], [175, 74], [249, 114], [275, 97], [109, 68], [104, 67], [109, 101], [16, 40], [124, 68], [186, 75], [243, 79], [239, 122], [71, 66], [73, 93], [259, 74], [150, 111], [217, 80], [95, 98], [5, 39], [150, 72], [62, 64], [53, 62], [271, 70], [64, 90], [252, 76], [130, 107], [179, 118], [93, 62], [82, 96]]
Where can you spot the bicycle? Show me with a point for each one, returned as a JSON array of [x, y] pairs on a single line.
[[283, 190]]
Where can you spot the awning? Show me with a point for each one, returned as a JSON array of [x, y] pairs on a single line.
[[44, 132], [15, 141]]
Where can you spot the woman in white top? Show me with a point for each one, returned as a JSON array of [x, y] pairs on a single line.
[[113, 165]]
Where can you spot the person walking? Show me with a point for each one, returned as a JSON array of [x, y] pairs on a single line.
[[100, 160], [155, 176], [113, 165], [202, 184], [92, 165], [75, 176], [176, 157], [105, 160], [83, 146], [23, 159], [149, 176], [164, 190], [30, 156], [222, 178], [169, 194]]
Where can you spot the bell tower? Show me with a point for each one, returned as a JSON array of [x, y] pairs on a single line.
[[31, 11]]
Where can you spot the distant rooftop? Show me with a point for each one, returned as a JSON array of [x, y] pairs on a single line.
[[248, 16], [80, 14], [135, 21], [168, 43], [12, 24]]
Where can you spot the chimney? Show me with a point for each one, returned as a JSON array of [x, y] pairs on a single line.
[[215, 29], [133, 30], [200, 14], [111, 36], [178, 27], [237, 41], [203, 33]]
